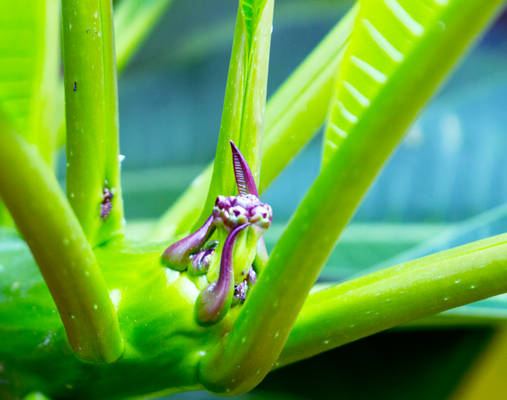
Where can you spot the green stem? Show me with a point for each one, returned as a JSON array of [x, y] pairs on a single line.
[[133, 21], [265, 320], [394, 296], [244, 104], [45, 219], [92, 116], [293, 115]]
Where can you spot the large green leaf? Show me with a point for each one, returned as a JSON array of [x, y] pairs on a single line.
[[387, 37]]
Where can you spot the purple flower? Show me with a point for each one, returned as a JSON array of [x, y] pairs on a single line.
[[233, 214], [233, 211]]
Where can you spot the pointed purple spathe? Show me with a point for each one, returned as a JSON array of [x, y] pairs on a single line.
[[244, 178]]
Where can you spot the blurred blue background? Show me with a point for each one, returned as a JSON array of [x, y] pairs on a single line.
[[449, 167]]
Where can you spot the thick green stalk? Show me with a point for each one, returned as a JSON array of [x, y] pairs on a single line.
[[93, 167], [133, 21], [45, 219], [393, 296], [293, 115], [265, 320], [244, 104]]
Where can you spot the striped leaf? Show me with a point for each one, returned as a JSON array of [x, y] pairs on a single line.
[[386, 36]]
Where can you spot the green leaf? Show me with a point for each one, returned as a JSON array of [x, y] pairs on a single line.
[[493, 310], [389, 37]]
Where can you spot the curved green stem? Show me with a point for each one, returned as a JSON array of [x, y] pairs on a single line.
[[45, 219], [396, 295], [293, 115], [93, 167]]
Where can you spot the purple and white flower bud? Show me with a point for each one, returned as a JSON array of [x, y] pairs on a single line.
[[234, 211], [251, 278], [240, 291]]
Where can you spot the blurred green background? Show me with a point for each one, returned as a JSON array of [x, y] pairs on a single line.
[[446, 184]]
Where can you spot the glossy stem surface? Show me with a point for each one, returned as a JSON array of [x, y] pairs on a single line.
[[50, 228], [393, 296], [133, 21], [91, 105]]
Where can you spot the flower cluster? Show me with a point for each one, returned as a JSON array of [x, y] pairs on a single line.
[[233, 211], [235, 216]]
